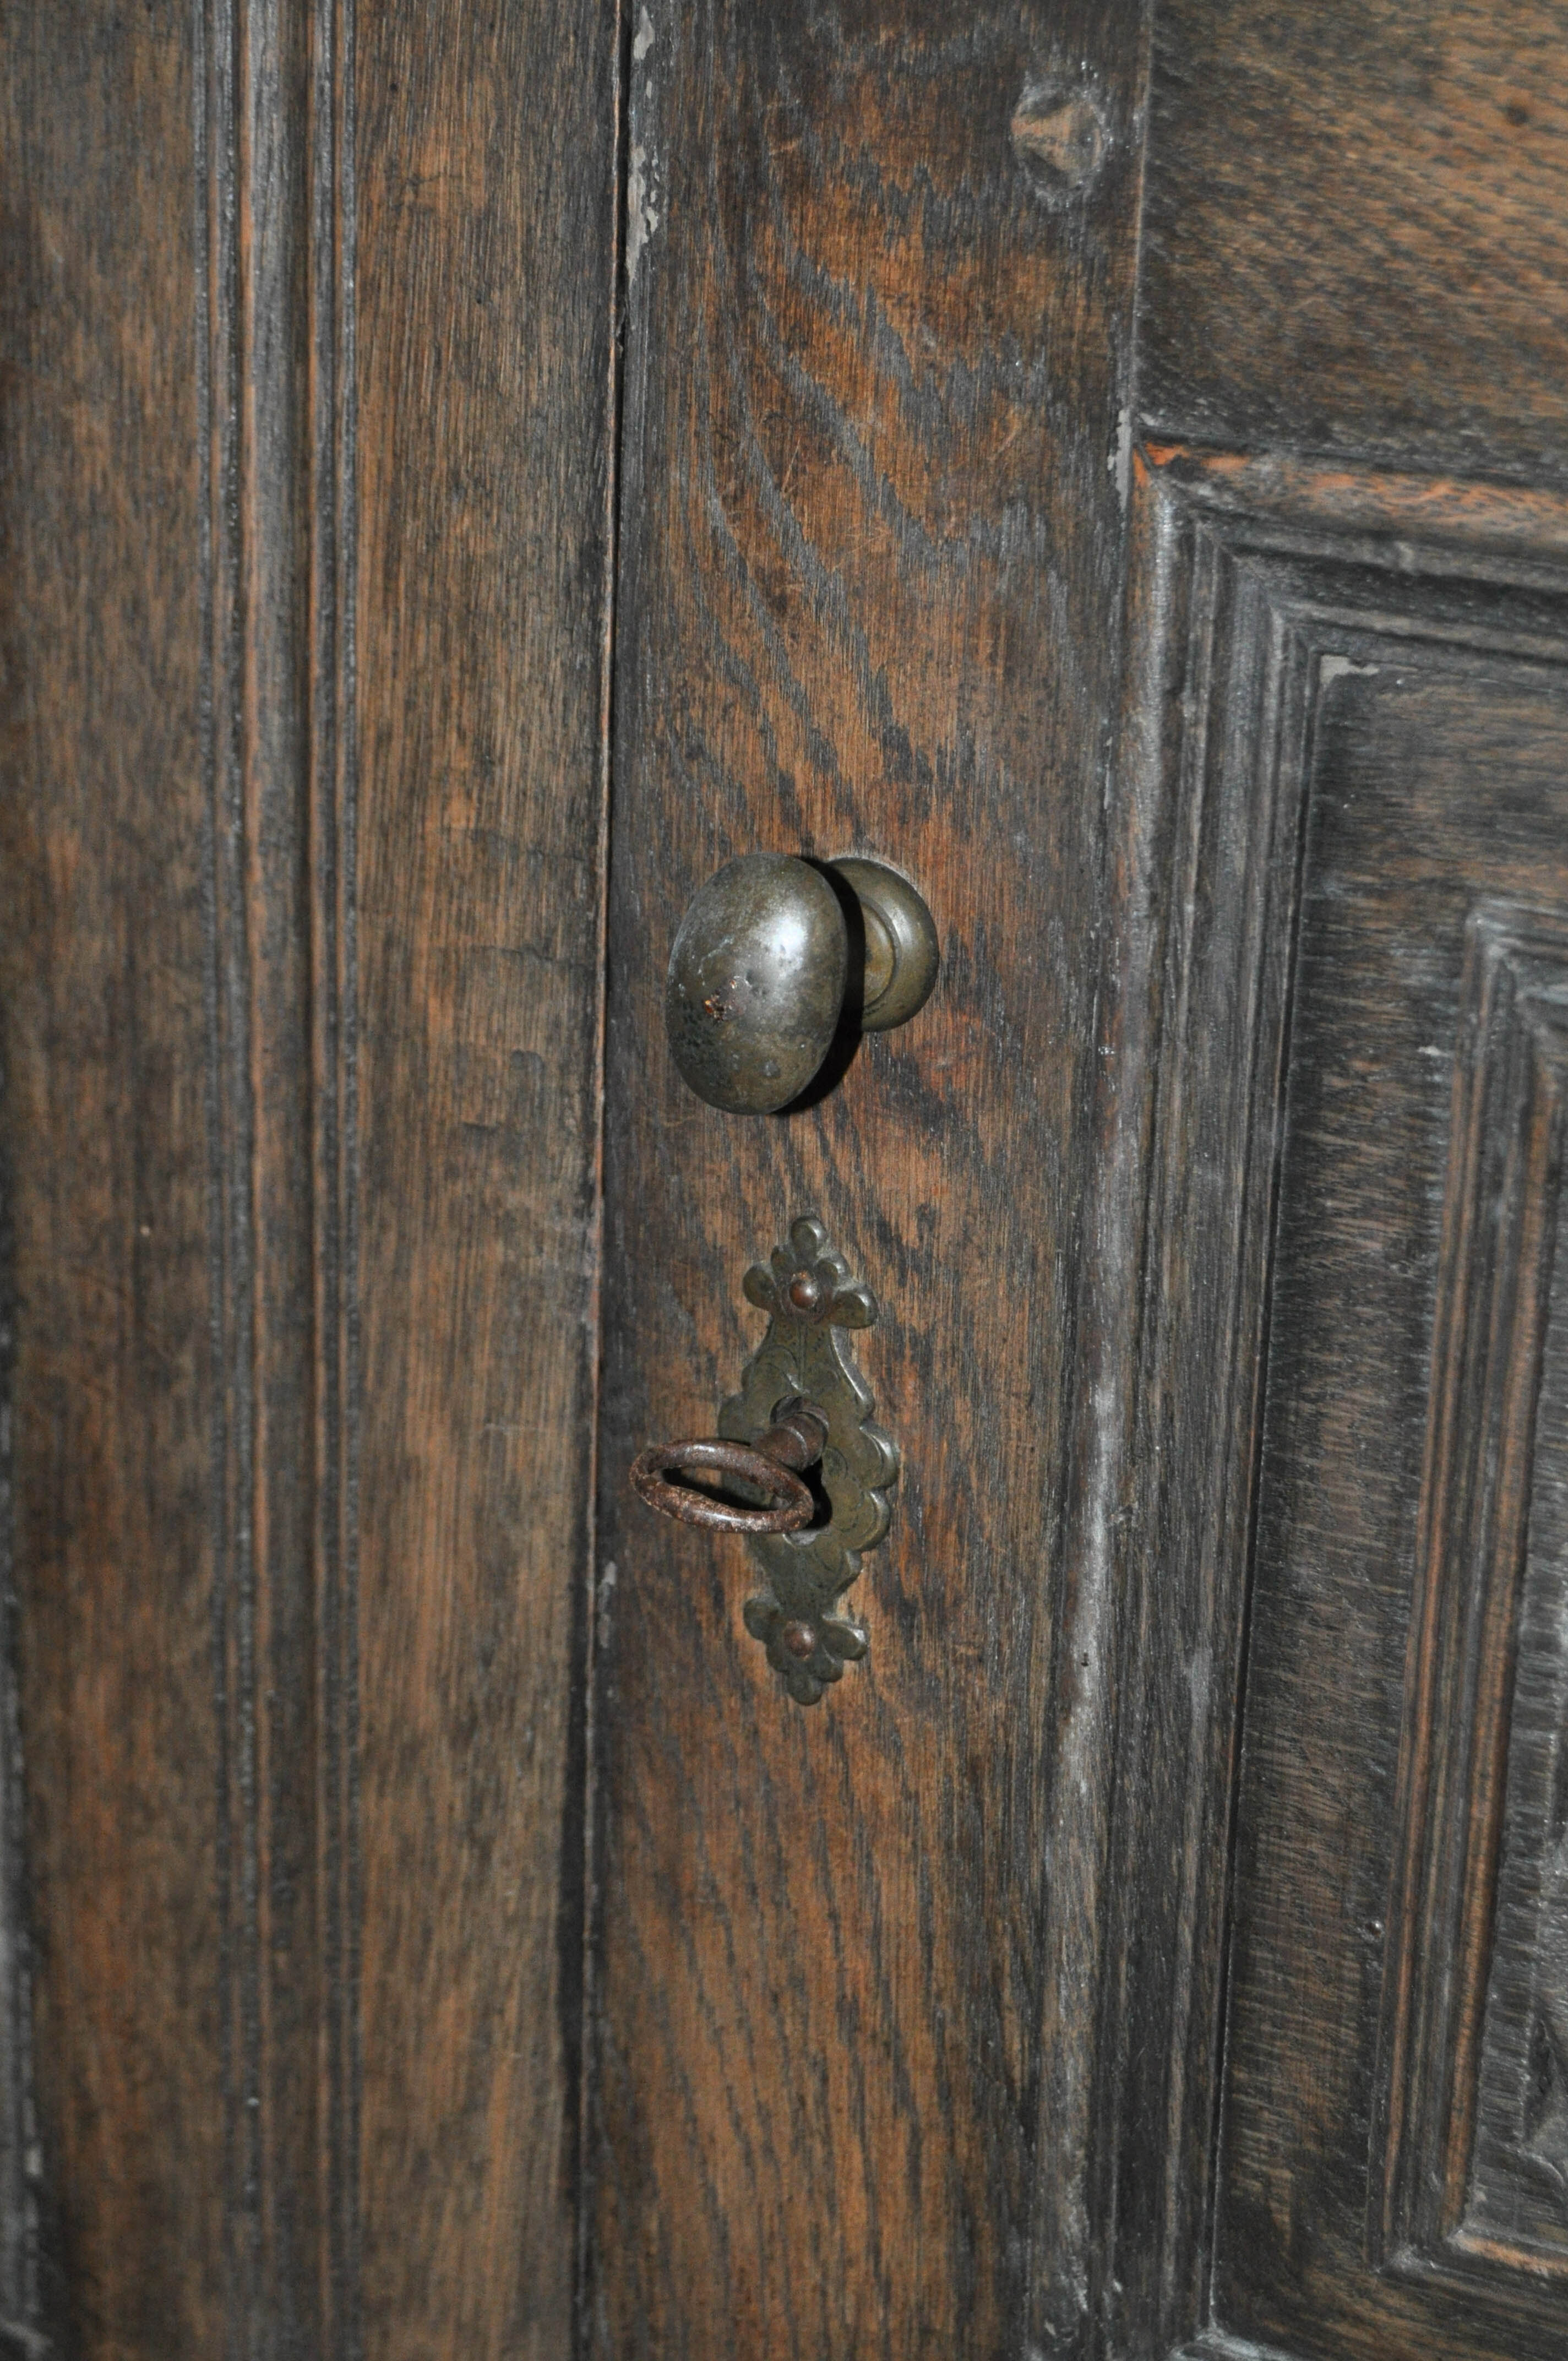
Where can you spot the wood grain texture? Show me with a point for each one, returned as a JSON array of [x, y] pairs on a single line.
[[1346, 727], [222, 967], [869, 591], [1474, 2164], [171, 998], [1355, 238], [19, 2129], [486, 161], [1177, 1791], [273, 305], [1437, 782], [107, 1030]]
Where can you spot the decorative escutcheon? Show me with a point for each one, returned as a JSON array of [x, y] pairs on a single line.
[[802, 1404], [767, 966]]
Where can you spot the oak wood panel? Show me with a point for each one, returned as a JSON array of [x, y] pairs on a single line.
[[1354, 237], [1205, 859], [1346, 727], [868, 597], [1474, 2166], [278, 1047], [172, 333], [104, 995], [1437, 782], [272, 299], [486, 163]]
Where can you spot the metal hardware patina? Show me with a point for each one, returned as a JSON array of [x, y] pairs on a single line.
[[802, 1404], [793, 1442], [777, 958]]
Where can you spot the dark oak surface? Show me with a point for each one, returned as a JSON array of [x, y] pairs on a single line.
[[1345, 754], [1436, 807], [868, 601], [441, 1936], [306, 491], [1354, 235], [486, 160], [107, 1025]]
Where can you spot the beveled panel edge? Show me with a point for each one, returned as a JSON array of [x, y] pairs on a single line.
[[1270, 500], [1472, 1578], [1215, 539], [1220, 781]]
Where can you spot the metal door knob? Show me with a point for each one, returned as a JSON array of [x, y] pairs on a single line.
[[773, 1463], [774, 956]]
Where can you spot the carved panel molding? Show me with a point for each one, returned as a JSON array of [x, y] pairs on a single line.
[[1477, 2155], [1335, 2000]]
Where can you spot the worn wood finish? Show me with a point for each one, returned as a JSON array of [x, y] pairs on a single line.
[[153, 1015], [1356, 236], [105, 1139], [487, 174], [868, 588], [1345, 753], [1473, 2154], [172, 1010], [1157, 1944], [302, 923], [1437, 798]]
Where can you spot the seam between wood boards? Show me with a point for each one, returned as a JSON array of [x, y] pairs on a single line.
[[582, 1771], [332, 844], [19, 2156], [258, 454], [229, 1144]]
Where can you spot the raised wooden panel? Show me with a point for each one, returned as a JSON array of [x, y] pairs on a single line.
[[1346, 772], [1478, 1982]]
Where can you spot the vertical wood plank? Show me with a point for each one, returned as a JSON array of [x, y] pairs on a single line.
[[174, 1004], [268, 159], [869, 582], [103, 1003], [485, 173]]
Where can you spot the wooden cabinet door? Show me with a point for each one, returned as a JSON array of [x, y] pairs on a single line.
[[1337, 2074], [468, 473]]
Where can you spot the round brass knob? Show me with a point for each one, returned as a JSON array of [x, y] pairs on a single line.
[[767, 966]]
